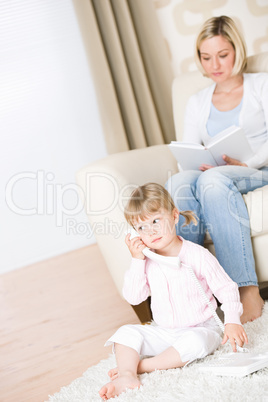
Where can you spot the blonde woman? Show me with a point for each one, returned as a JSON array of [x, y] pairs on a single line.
[[215, 193]]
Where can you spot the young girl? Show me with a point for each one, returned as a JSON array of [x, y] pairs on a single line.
[[184, 328]]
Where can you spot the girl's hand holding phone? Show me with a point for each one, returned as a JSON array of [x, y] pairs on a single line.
[[135, 246]]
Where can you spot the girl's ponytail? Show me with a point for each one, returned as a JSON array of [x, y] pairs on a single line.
[[189, 217]]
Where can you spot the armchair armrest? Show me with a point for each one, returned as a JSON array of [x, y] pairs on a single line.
[[106, 185]]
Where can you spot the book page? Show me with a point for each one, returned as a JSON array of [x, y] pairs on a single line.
[[187, 145], [234, 144], [191, 158], [225, 133]]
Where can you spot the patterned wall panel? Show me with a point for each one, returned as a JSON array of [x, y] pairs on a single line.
[[180, 21]]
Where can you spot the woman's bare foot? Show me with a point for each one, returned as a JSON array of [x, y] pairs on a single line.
[[252, 303], [113, 373], [119, 385]]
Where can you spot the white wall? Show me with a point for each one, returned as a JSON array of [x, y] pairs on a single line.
[[49, 128]]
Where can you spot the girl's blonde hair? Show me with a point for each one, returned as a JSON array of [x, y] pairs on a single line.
[[149, 199], [225, 27]]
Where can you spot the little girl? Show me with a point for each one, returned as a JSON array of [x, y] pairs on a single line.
[[184, 328]]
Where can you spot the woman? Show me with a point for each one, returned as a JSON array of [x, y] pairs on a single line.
[[215, 193]]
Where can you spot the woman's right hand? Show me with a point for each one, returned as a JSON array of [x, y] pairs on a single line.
[[135, 246], [232, 161], [205, 167]]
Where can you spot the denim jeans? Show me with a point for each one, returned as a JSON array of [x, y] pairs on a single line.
[[216, 197]]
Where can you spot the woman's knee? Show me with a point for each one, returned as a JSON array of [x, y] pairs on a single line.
[[212, 182]]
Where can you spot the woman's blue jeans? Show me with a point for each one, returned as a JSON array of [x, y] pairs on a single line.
[[216, 197]]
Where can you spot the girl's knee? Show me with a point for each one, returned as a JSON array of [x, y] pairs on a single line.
[[206, 343], [200, 346], [129, 333], [197, 344]]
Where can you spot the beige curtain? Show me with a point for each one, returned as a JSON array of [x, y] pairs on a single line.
[[130, 66]]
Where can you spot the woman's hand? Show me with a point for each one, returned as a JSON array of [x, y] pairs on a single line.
[[135, 246], [236, 334], [227, 159], [205, 167], [232, 161]]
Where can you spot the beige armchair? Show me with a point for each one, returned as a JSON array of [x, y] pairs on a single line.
[[107, 183]]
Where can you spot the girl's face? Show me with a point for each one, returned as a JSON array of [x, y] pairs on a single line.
[[217, 57], [158, 231]]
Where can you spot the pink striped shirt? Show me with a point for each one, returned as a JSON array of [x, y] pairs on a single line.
[[176, 301]]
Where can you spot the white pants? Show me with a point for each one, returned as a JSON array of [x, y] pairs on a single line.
[[151, 340]]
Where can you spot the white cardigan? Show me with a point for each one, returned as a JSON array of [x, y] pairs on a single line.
[[253, 117]]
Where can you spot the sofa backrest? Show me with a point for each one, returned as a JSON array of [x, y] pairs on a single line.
[[187, 84]]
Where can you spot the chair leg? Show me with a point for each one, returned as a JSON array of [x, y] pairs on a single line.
[[143, 311], [264, 290]]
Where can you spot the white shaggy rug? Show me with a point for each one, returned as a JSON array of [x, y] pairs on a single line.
[[187, 384]]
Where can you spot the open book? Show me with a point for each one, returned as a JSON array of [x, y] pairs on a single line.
[[231, 142]]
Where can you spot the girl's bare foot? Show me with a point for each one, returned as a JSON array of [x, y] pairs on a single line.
[[119, 385], [113, 373], [252, 303]]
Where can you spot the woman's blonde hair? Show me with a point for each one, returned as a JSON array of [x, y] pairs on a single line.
[[225, 27], [149, 199]]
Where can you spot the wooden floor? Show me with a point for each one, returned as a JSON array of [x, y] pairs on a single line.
[[55, 317]]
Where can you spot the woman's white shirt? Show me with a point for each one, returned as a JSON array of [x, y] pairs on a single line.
[[253, 117]]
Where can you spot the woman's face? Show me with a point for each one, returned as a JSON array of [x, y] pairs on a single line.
[[217, 57]]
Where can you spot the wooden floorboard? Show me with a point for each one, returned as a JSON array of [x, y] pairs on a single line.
[[55, 317]]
